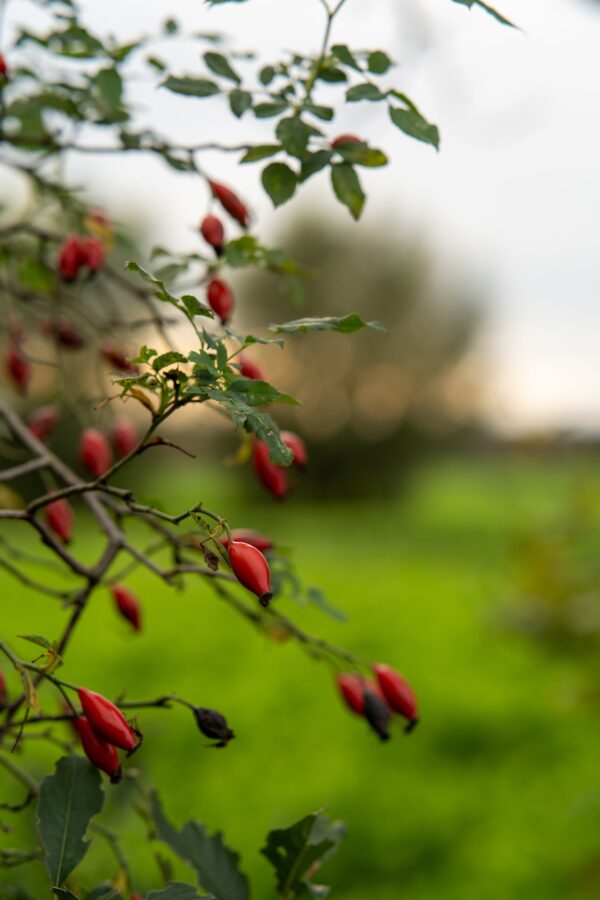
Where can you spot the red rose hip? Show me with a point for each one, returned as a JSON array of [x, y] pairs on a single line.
[[95, 452], [398, 694], [99, 752], [213, 232], [250, 369], [220, 299], [251, 569], [128, 605], [59, 517], [107, 720], [230, 202]]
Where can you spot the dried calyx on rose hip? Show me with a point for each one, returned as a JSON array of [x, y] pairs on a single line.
[[251, 569], [398, 694], [99, 752], [107, 721], [128, 605], [213, 725]]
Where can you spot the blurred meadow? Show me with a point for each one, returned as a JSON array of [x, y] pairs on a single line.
[[497, 792]]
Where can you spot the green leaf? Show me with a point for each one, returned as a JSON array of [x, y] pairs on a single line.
[[293, 134], [64, 892], [191, 87], [332, 75], [347, 188], [266, 75], [177, 890], [38, 640], [242, 251], [109, 84], [261, 151], [361, 154], [345, 56], [279, 181], [364, 91], [313, 163], [215, 864], [344, 324], [325, 113], [268, 110], [412, 123], [294, 851], [258, 393], [239, 102], [168, 359], [193, 307], [220, 65], [489, 9], [67, 801], [378, 62]]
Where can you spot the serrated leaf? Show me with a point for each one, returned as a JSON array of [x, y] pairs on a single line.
[[168, 359], [259, 423], [258, 393], [294, 852], [364, 91], [279, 181], [220, 65], [239, 102], [347, 188], [67, 801], [262, 151], [177, 890], [63, 892], [241, 251], [191, 87], [215, 864], [361, 154], [412, 123], [344, 324], [293, 134], [378, 62], [193, 307]]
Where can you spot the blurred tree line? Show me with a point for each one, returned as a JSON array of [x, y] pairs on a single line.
[[386, 400]]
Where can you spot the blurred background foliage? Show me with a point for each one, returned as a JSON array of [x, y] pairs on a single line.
[[372, 405]]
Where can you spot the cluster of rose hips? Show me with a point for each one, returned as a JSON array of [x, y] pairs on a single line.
[[219, 295], [377, 701]]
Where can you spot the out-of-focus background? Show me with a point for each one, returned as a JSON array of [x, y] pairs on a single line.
[[452, 504]]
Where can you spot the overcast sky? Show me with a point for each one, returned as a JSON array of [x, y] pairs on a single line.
[[513, 196]]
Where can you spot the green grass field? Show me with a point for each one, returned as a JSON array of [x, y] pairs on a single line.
[[497, 793]]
